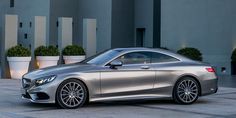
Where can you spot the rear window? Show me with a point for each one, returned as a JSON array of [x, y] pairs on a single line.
[[158, 58]]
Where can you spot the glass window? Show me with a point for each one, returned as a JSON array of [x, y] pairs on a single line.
[[102, 57], [158, 57], [136, 58]]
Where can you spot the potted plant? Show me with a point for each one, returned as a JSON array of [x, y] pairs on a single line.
[[191, 53], [47, 56], [233, 62], [19, 59], [73, 54]]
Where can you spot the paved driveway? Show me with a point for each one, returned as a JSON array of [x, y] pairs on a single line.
[[222, 104]]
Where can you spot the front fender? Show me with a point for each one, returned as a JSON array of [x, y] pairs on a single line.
[[91, 81]]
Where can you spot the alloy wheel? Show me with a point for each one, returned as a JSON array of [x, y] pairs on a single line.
[[187, 91], [72, 94]]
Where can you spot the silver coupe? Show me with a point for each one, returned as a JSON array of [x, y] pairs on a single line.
[[121, 74]]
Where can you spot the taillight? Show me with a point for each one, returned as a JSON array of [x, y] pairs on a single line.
[[211, 70]]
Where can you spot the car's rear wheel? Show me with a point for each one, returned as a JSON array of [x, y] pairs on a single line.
[[186, 91], [71, 94]]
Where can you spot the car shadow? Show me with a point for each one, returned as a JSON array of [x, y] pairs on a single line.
[[129, 103], [39, 105], [139, 102], [43, 107]]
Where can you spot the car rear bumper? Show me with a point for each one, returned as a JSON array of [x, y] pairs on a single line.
[[209, 86]]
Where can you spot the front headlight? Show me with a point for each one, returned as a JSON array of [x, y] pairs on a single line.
[[44, 80]]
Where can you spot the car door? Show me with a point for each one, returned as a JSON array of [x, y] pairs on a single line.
[[134, 77], [164, 65]]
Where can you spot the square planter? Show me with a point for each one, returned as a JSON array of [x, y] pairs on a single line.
[[47, 61], [73, 59], [18, 66]]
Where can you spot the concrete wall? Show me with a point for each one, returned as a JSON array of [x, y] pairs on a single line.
[[52, 9], [100, 10], [144, 19], [5, 5], [63, 8], [27, 9], [209, 25], [122, 23]]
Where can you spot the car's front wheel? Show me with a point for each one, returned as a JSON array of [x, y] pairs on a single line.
[[186, 91], [71, 94]]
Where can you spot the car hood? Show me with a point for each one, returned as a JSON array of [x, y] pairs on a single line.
[[55, 70]]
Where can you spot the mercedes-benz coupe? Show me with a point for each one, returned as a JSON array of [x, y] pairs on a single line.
[[121, 74]]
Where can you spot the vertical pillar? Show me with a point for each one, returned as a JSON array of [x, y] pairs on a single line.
[[65, 32], [39, 36], [90, 36], [9, 39]]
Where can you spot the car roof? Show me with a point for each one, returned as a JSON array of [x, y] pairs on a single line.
[[164, 51]]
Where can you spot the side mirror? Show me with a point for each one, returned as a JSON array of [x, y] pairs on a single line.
[[115, 63]]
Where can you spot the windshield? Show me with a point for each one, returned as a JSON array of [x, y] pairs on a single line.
[[101, 58]]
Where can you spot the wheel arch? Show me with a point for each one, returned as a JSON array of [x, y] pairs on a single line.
[[79, 79], [191, 76]]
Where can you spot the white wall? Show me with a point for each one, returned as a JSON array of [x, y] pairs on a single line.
[[90, 36], [9, 40], [65, 32], [209, 25]]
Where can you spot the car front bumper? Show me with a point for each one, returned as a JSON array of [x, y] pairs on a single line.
[[40, 94]]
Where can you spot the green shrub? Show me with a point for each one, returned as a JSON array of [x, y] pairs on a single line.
[[18, 51], [47, 51], [233, 56], [73, 50], [191, 53]]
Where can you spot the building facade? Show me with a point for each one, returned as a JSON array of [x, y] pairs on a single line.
[[208, 25]]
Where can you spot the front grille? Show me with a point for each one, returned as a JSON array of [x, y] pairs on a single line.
[[26, 83]]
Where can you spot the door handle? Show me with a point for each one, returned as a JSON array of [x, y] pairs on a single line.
[[145, 67]]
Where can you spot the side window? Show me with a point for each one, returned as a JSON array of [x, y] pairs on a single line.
[[135, 58], [158, 57]]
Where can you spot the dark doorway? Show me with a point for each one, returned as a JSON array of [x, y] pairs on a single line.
[[233, 68], [140, 37]]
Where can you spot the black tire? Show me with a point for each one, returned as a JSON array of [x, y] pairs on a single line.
[[191, 92], [75, 95]]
